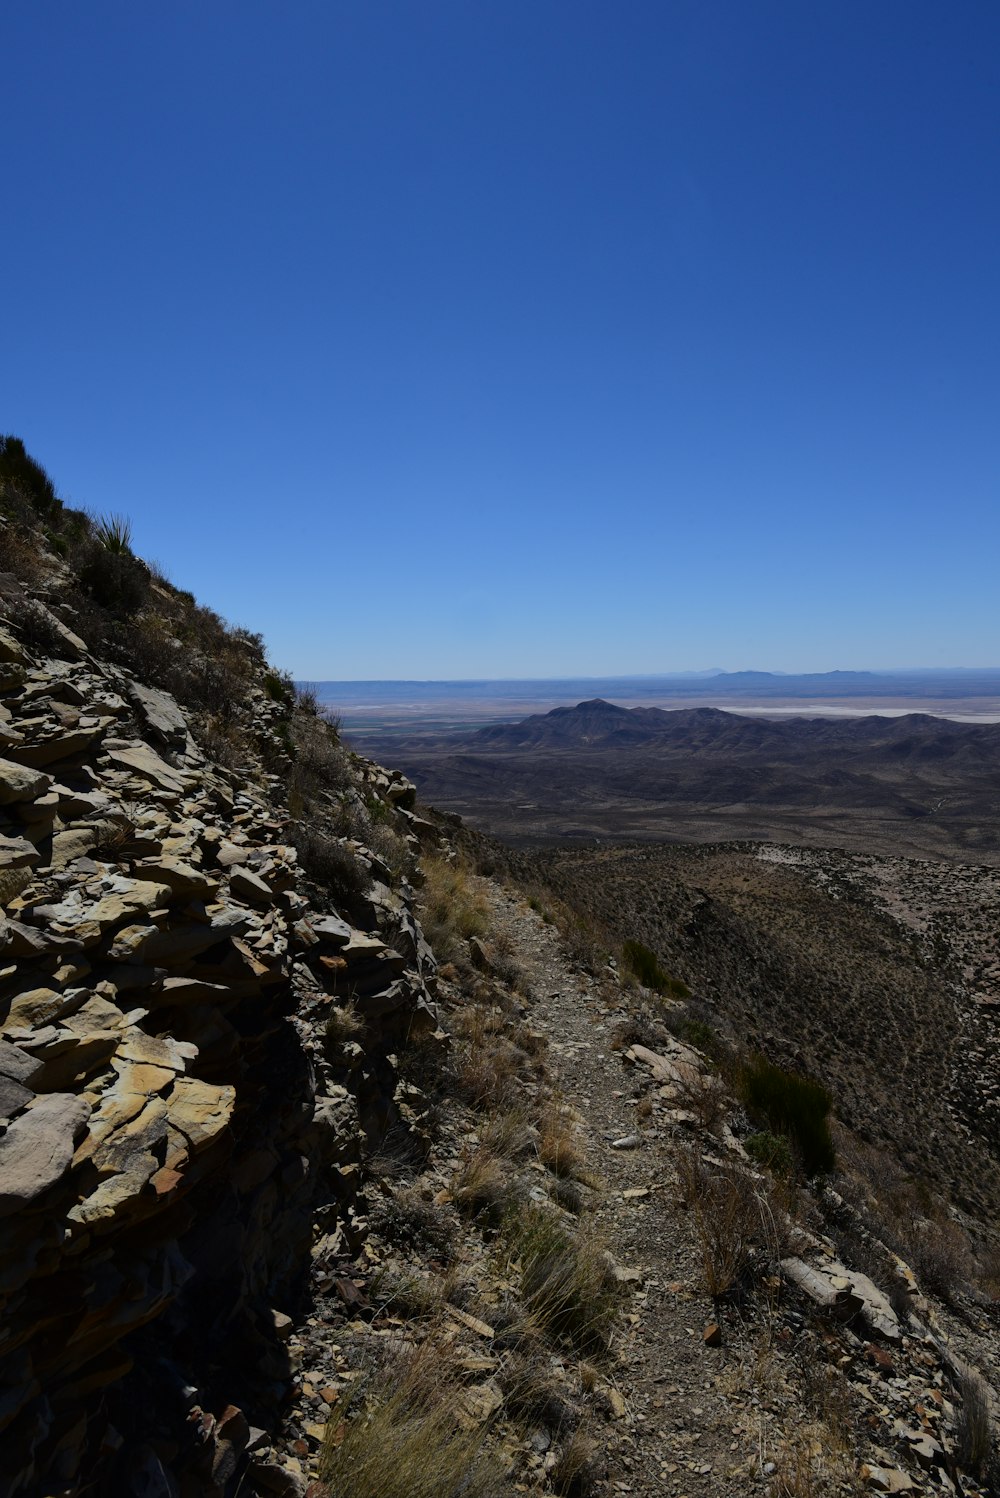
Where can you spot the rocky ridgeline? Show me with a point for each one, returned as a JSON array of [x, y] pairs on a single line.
[[173, 1137]]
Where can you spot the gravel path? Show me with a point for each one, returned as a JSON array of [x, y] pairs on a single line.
[[681, 1432]]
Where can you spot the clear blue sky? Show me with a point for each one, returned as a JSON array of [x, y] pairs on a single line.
[[449, 338]]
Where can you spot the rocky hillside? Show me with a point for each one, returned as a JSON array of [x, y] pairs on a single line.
[[171, 1123]]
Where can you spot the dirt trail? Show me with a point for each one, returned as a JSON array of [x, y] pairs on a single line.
[[684, 1429]]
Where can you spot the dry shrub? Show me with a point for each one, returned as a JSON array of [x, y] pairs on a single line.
[[559, 1147], [411, 1296], [734, 1220], [567, 1282], [399, 1437], [332, 865], [941, 1258], [482, 1189], [405, 1219], [451, 907], [974, 1437], [576, 1472]]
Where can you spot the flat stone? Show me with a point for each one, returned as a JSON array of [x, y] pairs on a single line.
[[182, 878], [37, 1149], [18, 853], [160, 713], [13, 1097], [886, 1479], [71, 844], [246, 885], [133, 897], [17, 1064], [55, 747], [21, 783], [147, 764]]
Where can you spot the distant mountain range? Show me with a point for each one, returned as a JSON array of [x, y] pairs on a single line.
[[912, 784], [932, 682]]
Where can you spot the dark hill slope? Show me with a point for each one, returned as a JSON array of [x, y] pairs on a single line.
[[914, 784]]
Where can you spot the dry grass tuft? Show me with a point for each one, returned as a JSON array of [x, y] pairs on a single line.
[[451, 907], [487, 1067], [734, 1218], [343, 1025], [567, 1283], [576, 1473], [400, 1437], [483, 1189], [508, 1133], [559, 1147]]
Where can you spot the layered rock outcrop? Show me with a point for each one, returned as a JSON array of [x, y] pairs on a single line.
[[175, 1128]]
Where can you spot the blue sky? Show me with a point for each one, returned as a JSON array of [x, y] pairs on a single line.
[[445, 338]]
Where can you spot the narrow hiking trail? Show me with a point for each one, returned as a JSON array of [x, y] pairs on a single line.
[[693, 1418]]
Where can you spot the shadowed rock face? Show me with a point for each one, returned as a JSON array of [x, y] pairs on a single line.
[[168, 1119], [914, 784]]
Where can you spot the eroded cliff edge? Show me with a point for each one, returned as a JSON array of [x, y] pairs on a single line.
[[172, 1130]]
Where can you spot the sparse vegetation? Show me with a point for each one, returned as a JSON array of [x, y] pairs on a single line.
[[567, 1284], [645, 967], [791, 1105], [735, 1222], [400, 1437], [451, 908]]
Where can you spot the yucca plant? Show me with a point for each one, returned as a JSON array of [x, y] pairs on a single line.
[[114, 532]]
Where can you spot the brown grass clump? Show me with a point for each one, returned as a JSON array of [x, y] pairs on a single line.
[[400, 1437], [559, 1147], [576, 1472], [452, 909], [343, 1024], [487, 1066], [734, 1219], [482, 1189], [507, 1132], [567, 1283]]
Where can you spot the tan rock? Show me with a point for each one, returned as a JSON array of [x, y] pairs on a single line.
[[71, 844], [200, 1110], [18, 853], [245, 885], [37, 1149], [21, 783], [140, 760], [182, 878]]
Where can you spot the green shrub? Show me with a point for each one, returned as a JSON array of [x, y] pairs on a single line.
[[697, 1033], [114, 578], [31, 478], [770, 1150], [645, 968], [791, 1105], [277, 687]]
